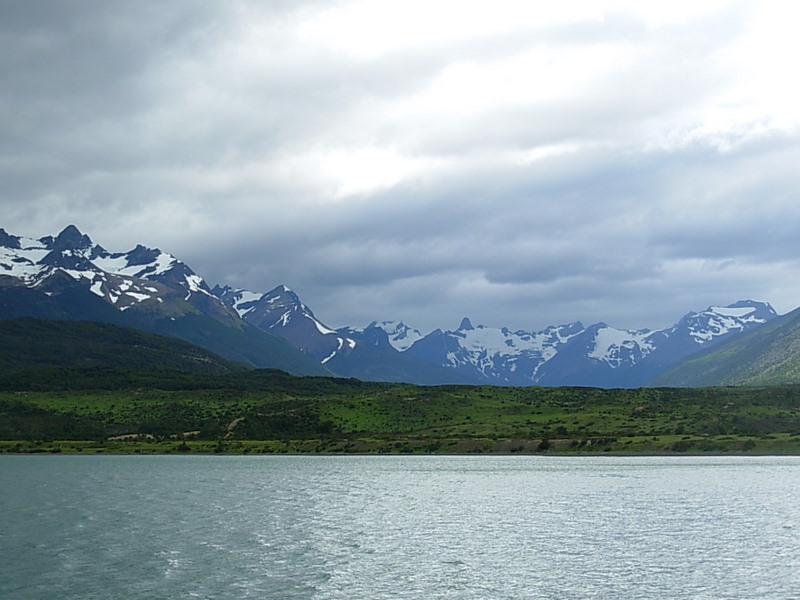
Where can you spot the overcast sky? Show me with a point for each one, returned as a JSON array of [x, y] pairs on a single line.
[[522, 163]]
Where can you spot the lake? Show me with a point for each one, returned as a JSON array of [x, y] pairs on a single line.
[[399, 527]]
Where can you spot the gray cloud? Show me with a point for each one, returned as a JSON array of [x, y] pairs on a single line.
[[524, 171]]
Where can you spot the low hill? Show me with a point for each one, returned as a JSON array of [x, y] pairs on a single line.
[[769, 355], [234, 340], [31, 344]]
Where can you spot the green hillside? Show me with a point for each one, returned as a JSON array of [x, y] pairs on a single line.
[[32, 344], [768, 355], [233, 340]]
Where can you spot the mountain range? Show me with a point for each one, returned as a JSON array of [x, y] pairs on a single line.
[[69, 277]]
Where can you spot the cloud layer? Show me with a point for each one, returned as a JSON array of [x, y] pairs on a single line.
[[516, 162]]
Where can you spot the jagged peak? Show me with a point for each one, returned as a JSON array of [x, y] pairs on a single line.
[[282, 290], [394, 326], [71, 238], [466, 325]]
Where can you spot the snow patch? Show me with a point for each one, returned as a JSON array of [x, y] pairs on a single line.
[[194, 282], [111, 264], [243, 311], [332, 354], [245, 297], [78, 275], [164, 263], [118, 265], [138, 297], [320, 327], [97, 288], [730, 311]]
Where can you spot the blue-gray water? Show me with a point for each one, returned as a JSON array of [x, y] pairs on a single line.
[[399, 527]]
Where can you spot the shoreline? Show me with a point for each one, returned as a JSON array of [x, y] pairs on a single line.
[[270, 448]]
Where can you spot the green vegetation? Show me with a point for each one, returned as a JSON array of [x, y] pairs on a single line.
[[265, 411], [33, 344]]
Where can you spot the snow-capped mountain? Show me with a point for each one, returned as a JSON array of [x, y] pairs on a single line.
[[124, 279], [717, 321], [765, 356], [572, 354], [70, 277], [281, 312], [486, 354]]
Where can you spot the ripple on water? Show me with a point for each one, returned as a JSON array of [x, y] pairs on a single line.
[[329, 528]]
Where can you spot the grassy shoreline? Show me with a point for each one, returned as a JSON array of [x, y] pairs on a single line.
[[773, 444]]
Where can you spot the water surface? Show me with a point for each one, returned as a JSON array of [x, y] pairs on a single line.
[[316, 527]]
